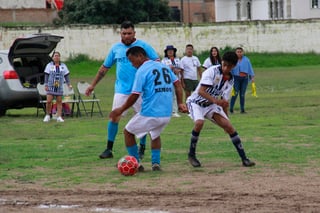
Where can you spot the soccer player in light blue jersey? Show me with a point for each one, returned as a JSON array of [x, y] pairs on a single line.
[[155, 82], [125, 74]]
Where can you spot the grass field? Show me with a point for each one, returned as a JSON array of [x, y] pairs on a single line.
[[280, 133]]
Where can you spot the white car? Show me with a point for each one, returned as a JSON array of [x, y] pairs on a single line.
[[22, 67]]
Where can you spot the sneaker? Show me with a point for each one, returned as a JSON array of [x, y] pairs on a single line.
[[140, 168], [156, 167], [248, 163], [46, 118], [141, 151], [243, 112], [106, 154], [59, 119], [194, 161], [176, 115]]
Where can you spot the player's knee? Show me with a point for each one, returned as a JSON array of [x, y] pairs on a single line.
[[198, 125]]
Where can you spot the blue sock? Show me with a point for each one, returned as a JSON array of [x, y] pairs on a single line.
[[112, 131], [143, 140], [155, 156], [133, 151]]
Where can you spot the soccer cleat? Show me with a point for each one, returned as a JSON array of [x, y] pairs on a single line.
[[106, 154], [176, 115], [46, 118], [248, 163], [142, 148], [156, 167], [194, 161], [140, 168], [59, 119]]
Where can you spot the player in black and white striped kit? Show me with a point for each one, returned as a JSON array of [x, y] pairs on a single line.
[[210, 101]]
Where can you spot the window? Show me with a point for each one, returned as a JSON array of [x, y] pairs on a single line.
[[271, 9], [315, 4], [238, 10], [244, 8], [276, 9], [281, 15], [249, 10]]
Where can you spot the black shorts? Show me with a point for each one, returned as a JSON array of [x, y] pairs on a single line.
[[190, 85]]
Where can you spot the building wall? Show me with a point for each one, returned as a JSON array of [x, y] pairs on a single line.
[[44, 16], [256, 36], [195, 11], [19, 4], [293, 9], [303, 10]]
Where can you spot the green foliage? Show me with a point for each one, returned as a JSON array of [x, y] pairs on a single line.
[[82, 65], [111, 12]]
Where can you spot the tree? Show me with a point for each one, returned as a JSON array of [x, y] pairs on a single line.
[[114, 11]]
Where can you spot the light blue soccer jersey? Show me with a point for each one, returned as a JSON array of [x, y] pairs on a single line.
[[125, 72], [154, 81]]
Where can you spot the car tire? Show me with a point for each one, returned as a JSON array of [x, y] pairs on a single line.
[[2, 111]]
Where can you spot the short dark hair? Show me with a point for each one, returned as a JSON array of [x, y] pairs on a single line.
[[239, 48], [230, 57], [135, 51], [189, 45], [126, 25]]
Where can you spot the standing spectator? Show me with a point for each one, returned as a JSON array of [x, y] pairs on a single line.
[[210, 101], [54, 75], [191, 69], [155, 82], [125, 74], [171, 60], [213, 59], [242, 73]]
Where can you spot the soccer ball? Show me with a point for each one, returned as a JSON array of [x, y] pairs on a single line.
[[128, 165]]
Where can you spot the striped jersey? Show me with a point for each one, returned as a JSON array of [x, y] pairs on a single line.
[[218, 87]]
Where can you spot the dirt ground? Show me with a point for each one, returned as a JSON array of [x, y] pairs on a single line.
[[232, 191]]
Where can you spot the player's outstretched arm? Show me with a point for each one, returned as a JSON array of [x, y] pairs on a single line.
[[100, 74], [179, 94]]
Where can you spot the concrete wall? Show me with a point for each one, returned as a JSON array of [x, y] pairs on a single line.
[[258, 36]]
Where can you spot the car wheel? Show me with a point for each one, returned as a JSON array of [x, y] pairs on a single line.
[[2, 111]]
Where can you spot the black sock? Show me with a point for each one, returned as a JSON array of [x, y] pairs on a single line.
[[237, 144], [110, 145], [193, 143]]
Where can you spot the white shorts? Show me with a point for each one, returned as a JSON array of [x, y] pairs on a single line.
[[120, 99], [140, 125], [197, 112]]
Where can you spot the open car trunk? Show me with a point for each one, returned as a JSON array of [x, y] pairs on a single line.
[[29, 56]]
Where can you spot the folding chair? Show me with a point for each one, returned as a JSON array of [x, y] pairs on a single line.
[[83, 99], [69, 96], [42, 94]]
